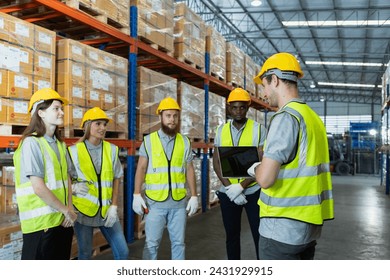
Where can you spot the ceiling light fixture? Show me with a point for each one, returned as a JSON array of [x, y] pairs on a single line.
[[345, 85], [332, 23], [256, 3], [340, 63], [312, 84]]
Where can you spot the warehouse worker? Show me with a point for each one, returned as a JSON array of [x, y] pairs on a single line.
[[96, 175], [165, 165], [237, 194], [296, 196], [41, 181]]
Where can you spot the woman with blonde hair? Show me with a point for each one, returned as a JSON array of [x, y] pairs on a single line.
[[96, 174]]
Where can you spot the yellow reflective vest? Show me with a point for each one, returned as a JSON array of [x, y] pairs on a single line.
[[250, 136], [100, 182], [164, 176], [303, 189], [34, 213]]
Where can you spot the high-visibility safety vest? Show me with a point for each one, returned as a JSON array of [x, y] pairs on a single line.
[[303, 189], [164, 176], [100, 182], [250, 136], [34, 213]]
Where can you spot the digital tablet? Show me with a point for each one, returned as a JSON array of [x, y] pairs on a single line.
[[235, 161]]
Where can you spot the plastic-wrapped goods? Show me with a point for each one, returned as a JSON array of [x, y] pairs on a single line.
[[190, 36], [155, 22], [216, 47], [192, 111], [152, 87]]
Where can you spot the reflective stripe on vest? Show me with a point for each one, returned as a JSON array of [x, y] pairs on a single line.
[[100, 186], [303, 189], [250, 136], [162, 175], [34, 213]]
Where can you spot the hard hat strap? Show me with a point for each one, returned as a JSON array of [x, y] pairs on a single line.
[[35, 105], [285, 75]]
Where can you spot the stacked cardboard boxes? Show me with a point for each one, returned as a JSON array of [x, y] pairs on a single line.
[[217, 113], [152, 87], [251, 70], [27, 63], [192, 110], [155, 22], [216, 47], [88, 78], [190, 36], [235, 65]]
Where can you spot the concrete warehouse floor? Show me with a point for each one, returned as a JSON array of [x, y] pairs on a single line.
[[360, 230]]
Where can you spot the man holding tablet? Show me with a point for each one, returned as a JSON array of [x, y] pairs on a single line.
[[237, 193]]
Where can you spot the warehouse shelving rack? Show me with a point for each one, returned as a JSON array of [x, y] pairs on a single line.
[[109, 38]]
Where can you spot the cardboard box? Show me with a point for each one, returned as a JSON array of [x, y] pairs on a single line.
[[44, 40], [101, 79], [3, 82], [43, 82], [17, 111], [20, 32], [3, 109], [94, 98], [19, 59], [8, 175], [8, 203], [74, 93], [44, 65], [70, 72], [73, 116], [19, 85], [69, 49]]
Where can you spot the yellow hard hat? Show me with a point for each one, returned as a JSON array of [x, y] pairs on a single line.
[[167, 104], [282, 65], [45, 94], [94, 114], [239, 94]]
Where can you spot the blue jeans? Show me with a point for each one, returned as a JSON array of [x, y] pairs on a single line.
[[155, 222], [114, 236], [231, 217]]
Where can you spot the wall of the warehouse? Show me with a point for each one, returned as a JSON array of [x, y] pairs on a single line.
[[346, 109]]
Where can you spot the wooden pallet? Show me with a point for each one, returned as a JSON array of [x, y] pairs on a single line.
[[156, 46], [193, 64], [9, 129], [99, 14], [217, 76]]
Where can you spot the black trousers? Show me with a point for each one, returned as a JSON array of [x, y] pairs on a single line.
[[51, 244], [231, 216]]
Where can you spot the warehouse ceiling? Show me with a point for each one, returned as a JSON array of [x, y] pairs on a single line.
[[351, 36]]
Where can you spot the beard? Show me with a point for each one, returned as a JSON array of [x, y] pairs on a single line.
[[169, 131]]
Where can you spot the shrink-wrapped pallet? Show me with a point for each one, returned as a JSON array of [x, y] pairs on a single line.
[[217, 113], [192, 111], [152, 87], [216, 47], [155, 22], [235, 65], [190, 36]]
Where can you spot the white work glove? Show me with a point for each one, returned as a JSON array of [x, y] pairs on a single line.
[[70, 218], [80, 188], [234, 190], [252, 170], [111, 216], [240, 199], [138, 204], [192, 205]]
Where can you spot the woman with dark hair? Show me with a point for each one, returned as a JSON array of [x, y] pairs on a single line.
[[95, 188], [41, 179]]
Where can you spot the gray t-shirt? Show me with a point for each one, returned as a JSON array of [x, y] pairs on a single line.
[[236, 134], [96, 157], [33, 163], [281, 146], [167, 143]]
